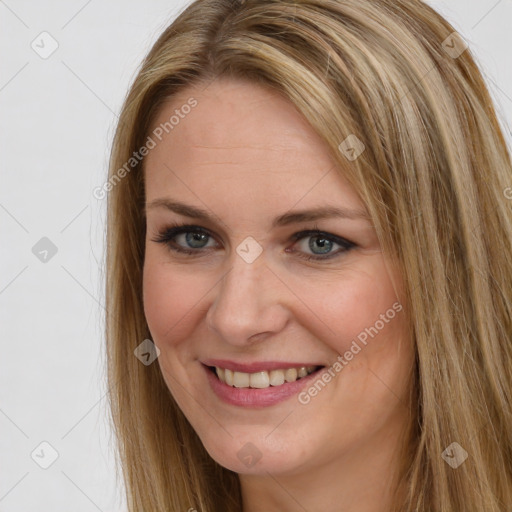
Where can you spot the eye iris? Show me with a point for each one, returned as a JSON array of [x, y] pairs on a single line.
[[196, 237], [323, 243]]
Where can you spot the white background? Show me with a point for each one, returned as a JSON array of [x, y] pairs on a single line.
[[57, 120]]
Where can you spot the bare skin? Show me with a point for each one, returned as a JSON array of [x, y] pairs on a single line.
[[247, 156]]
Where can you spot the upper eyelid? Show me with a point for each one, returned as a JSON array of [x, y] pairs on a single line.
[[194, 227]]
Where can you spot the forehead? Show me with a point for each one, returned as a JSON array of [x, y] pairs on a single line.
[[242, 135]]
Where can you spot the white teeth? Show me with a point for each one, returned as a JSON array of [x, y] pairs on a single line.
[[276, 377], [290, 375], [262, 379], [241, 380], [259, 380]]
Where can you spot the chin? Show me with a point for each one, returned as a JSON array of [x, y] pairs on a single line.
[[256, 454]]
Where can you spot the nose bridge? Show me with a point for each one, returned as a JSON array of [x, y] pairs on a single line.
[[245, 303]]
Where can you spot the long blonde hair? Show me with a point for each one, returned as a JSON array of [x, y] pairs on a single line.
[[433, 176]]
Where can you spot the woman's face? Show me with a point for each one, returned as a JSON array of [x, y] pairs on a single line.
[[247, 299]]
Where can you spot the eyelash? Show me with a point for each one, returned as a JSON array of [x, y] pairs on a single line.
[[167, 235]]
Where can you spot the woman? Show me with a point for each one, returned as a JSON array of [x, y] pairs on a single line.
[[368, 369]]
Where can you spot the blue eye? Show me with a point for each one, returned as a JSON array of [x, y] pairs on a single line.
[[324, 242], [195, 236], [197, 239]]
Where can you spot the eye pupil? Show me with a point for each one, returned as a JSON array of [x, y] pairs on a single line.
[[322, 242], [196, 237]]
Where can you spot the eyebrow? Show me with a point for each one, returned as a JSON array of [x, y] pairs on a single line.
[[283, 220]]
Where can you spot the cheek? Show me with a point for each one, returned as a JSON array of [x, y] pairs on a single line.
[[362, 307], [171, 301]]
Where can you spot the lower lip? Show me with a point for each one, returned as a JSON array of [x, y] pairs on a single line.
[[254, 397]]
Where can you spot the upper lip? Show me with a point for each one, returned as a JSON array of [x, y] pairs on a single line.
[[257, 366]]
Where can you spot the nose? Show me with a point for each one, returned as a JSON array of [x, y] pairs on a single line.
[[247, 304]]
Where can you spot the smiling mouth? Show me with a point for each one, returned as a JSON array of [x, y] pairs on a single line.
[[263, 379]]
